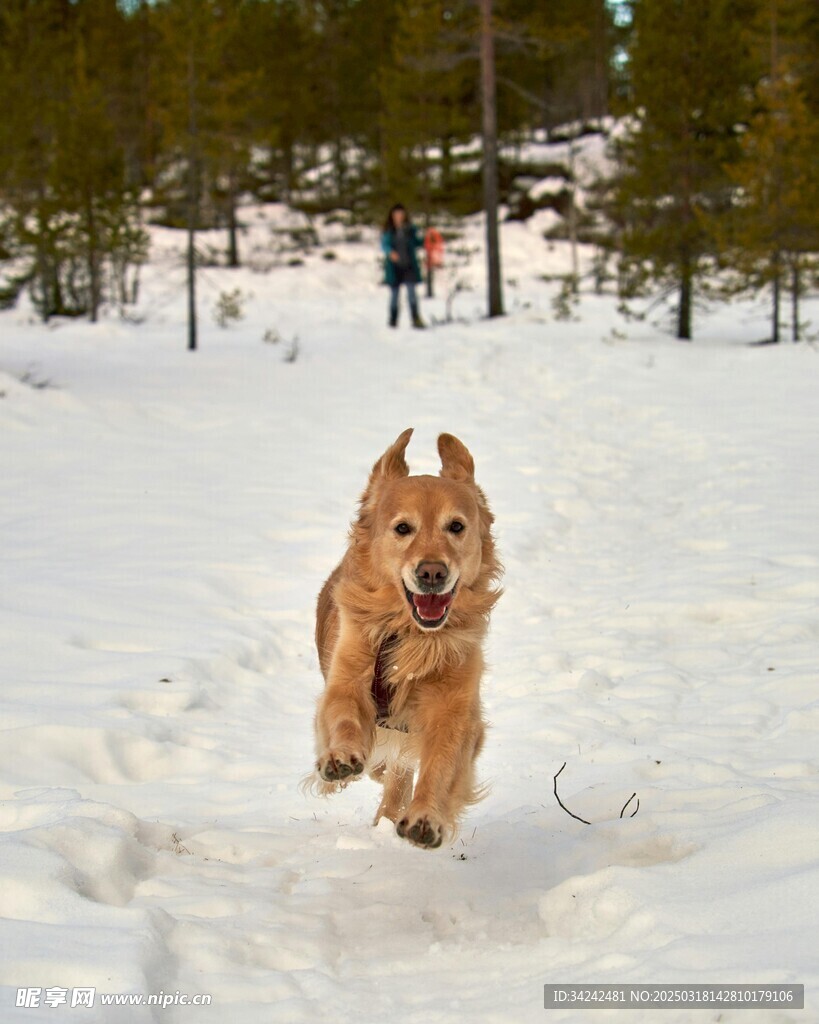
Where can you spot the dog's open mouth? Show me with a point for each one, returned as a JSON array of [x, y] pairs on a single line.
[[430, 610]]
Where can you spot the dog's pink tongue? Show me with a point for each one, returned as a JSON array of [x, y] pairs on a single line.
[[431, 606]]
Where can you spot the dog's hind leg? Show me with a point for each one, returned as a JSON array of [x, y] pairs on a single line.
[[397, 794]]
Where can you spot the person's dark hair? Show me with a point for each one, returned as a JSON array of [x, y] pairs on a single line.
[[389, 223]]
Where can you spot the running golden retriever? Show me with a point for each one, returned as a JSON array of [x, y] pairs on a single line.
[[400, 625]]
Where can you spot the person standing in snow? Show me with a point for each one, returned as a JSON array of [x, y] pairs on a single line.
[[400, 242]]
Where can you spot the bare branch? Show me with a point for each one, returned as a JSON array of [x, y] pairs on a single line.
[[577, 816], [565, 808], [524, 93]]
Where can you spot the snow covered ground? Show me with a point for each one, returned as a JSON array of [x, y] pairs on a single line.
[[167, 521]]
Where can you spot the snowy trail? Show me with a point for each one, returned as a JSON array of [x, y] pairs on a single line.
[[168, 522]]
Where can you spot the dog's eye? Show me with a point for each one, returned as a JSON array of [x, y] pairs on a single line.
[[456, 526], [403, 529]]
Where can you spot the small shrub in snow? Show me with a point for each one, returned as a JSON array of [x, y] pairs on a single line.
[[567, 299], [292, 352], [303, 238], [229, 308], [600, 270], [209, 256], [177, 845], [455, 289], [273, 336], [458, 259]]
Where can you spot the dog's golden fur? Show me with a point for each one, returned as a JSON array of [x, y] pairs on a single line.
[[432, 672]]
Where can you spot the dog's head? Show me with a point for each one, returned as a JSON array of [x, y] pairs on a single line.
[[429, 537]]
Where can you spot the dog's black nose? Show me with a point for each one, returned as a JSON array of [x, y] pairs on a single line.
[[431, 574]]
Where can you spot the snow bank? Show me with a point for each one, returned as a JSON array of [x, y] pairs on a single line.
[[168, 519]]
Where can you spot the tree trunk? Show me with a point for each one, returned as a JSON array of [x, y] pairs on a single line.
[[42, 259], [573, 219], [600, 97], [45, 280], [287, 164], [191, 274], [233, 239], [795, 289], [446, 165], [92, 261], [684, 309], [193, 197], [490, 160], [776, 285], [339, 168], [147, 143]]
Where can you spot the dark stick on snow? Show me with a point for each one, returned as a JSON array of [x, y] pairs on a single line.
[[565, 808], [577, 816]]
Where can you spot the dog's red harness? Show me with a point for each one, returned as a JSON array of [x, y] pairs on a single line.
[[380, 688]]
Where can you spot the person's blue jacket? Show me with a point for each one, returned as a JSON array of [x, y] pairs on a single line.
[[388, 244]]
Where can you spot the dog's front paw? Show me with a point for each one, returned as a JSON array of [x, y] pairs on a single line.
[[339, 765], [423, 829]]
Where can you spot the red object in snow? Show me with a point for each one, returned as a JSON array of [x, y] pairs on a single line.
[[434, 248]]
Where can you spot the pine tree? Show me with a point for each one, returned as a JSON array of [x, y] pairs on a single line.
[[276, 35], [430, 93], [443, 59], [71, 213], [34, 50], [773, 233], [776, 218], [202, 128], [554, 61], [88, 174], [227, 143], [329, 59], [689, 69]]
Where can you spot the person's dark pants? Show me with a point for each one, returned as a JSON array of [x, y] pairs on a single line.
[[411, 296]]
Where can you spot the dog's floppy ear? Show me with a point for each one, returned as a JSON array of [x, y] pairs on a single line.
[[456, 462], [392, 463]]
